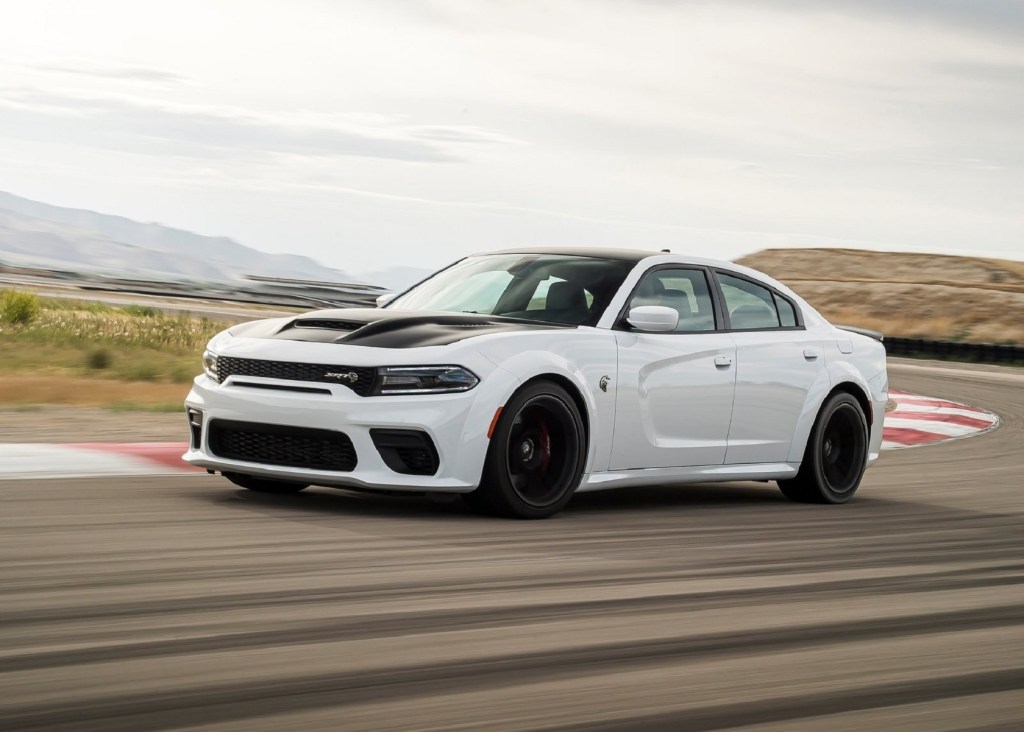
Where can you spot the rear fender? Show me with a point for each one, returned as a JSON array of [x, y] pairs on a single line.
[[812, 405], [836, 372]]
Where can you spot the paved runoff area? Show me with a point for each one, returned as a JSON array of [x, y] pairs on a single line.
[[916, 421], [159, 602]]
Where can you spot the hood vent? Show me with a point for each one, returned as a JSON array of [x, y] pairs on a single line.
[[322, 324]]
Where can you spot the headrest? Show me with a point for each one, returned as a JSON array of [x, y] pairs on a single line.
[[566, 296]]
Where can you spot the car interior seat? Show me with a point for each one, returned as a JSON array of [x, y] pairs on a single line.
[[754, 316], [567, 297], [649, 293], [678, 301]]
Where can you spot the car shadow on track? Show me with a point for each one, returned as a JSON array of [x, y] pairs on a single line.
[[653, 499]]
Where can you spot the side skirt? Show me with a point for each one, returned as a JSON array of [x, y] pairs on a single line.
[[690, 474]]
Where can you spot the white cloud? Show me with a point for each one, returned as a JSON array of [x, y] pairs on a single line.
[[366, 133]]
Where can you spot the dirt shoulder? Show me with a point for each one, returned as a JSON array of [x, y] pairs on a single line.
[[65, 409], [70, 424]]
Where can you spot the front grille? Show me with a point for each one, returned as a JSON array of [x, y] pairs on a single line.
[[293, 447], [361, 384]]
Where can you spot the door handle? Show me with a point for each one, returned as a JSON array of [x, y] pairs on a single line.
[[723, 361], [811, 354]]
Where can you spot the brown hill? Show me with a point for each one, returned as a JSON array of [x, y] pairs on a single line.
[[970, 299]]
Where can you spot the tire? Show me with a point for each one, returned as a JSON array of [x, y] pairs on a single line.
[[536, 457], [263, 485], [836, 454]]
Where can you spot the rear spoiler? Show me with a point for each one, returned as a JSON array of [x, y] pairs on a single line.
[[863, 331]]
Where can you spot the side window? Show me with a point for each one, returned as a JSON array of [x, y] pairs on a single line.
[[752, 306], [684, 290], [787, 315]]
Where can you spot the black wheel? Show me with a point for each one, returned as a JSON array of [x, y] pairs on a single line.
[[536, 456], [836, 454], [263, 485]]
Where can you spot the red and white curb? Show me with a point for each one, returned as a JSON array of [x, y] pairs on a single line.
[[917, 420], [920, 420], [31, 460]]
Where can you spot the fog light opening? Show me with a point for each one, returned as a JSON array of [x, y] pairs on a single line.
[[195, 427], [410, 452]]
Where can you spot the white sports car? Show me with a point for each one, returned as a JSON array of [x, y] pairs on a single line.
[[519, 377]]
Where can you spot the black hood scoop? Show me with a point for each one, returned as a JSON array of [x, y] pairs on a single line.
[[325, 324], [387, 328]]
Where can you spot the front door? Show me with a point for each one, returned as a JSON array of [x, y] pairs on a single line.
[[675, 391]]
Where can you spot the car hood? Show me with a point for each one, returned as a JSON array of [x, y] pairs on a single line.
[[378, 328]]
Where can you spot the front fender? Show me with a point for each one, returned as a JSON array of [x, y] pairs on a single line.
[[584, 375]]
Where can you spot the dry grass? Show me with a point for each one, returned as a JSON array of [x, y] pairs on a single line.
[[849, 265], [89, 354], [123, 328], [906, 295], [89, 340]]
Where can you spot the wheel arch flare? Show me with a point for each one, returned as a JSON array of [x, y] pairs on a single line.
[[533, 366]]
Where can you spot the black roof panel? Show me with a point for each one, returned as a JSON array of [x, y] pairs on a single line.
[[630, 255]]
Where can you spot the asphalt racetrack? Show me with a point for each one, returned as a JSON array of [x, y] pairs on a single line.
[[144, 604]]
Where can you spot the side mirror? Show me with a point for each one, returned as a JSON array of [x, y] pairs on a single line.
[[653, 318], [383, 300]]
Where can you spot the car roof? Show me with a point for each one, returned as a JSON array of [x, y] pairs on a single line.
[[629, 255]]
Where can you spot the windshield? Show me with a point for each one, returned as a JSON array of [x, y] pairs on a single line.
[[545, 287]]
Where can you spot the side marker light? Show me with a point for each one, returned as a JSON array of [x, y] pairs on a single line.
[[494, 422]]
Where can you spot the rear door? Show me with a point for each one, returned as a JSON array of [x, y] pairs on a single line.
[[777, 363], [675, 390]]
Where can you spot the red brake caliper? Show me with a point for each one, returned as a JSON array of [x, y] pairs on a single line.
[[545, 446]]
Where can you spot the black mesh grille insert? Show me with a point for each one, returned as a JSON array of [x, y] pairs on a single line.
[[358, 379], [294, 447]]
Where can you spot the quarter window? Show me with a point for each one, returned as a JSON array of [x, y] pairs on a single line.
[[787, 315], [750, 306], [684, 290]]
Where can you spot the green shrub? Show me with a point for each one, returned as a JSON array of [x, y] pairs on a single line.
[[182, 374], [98, 358], [142, 311], [18, 308], [142, 371]]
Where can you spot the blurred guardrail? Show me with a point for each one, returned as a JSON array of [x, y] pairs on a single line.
[[954, 351]]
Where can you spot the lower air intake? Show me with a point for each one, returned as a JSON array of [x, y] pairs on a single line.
[[410, 452], [293, 447]]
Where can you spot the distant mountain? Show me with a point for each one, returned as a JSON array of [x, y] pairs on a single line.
[[38, 234]]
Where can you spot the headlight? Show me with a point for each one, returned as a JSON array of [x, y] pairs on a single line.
[[210, 365], [424, 380]]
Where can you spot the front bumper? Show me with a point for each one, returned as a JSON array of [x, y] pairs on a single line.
[[457, 425]]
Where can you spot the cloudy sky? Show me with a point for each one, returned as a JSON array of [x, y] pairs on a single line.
[[410, 132]]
